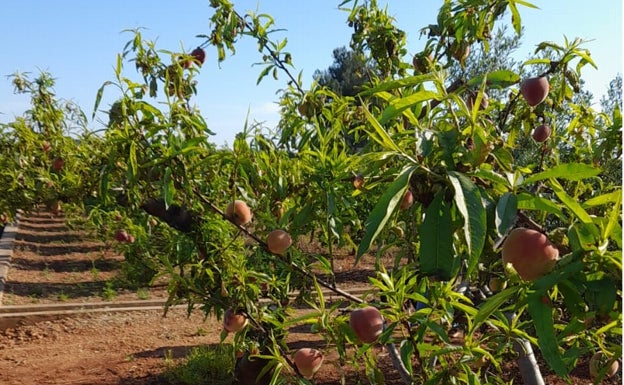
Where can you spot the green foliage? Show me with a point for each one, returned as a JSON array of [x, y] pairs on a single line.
[[214, 362]]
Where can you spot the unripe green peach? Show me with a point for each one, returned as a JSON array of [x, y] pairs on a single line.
[[530, 253]]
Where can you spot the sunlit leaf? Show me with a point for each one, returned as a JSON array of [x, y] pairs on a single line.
[[614, 217], [380, 135], [98, 97], [531, 202], [571, 203], [496, 79], [491, 305], [409, 81], [400, 104], [604, 199], [382, 211], [568, 171]]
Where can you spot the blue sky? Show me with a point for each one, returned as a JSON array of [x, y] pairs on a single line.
[[77, 42]]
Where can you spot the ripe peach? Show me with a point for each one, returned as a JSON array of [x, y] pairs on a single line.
[[535, 90], [121, 236], [497, 284], [358, 181], [367, 323], [600, 361], [308, 361], [199, 55], [422, 62], [530, 253], [238, 212], [54, 207], [460, 50], [541, 133], [278, 241], [234, 321], [58, 164], [408, 200]]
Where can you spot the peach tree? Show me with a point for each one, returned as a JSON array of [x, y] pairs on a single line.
[[48, 153], [462, 155]]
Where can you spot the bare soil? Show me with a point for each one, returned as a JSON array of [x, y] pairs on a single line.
[[53, 264]]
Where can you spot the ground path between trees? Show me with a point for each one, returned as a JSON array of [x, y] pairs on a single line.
[[7, 237]]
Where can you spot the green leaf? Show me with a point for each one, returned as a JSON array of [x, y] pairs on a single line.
[[98, 97], [264, 72], [568, 171], [470, 205], [382, 137], [407, 350], [602, 293], [168, 188], [506, 211], [491, 305], [583, 236], [409, 81], [537, 61], [504, 158], [496, 79], [570, 202], [614, 218], [515, 18], [531, 202], [572, 298], [383, 210], [492, 176], [132, 157], [526, 4], [604, 199], [400, 104], [542, 317], [586, 58], [436, 240]]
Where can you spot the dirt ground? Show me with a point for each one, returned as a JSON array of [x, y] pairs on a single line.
[[52, 264]]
